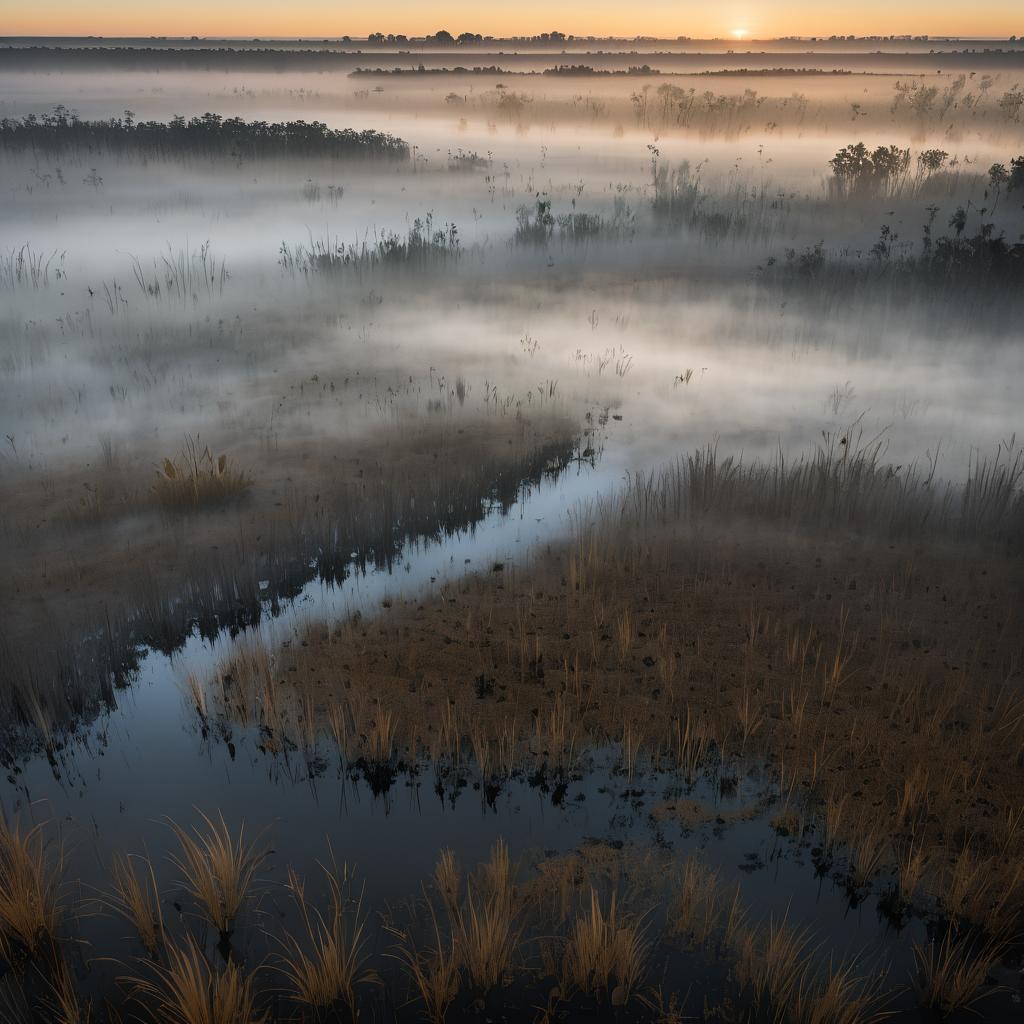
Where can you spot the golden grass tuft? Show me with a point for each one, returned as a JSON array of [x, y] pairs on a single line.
[[605, 955], [841, 997], [696, 904], [218, 868], [950, 974], [775, 961], [198, 479], [486, 936], [434, 972], [138, 900], [62, 1004], [380, 736], [187, 989], [448, 880], [30, 888], [329, 974]]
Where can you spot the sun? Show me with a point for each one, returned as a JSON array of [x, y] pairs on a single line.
[[739, 33]]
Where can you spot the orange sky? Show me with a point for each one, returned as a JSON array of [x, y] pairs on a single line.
[[666, 18]]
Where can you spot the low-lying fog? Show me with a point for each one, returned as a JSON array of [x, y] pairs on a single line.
[[87, 353]]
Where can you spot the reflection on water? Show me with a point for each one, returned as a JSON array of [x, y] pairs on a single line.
[[115, 786]]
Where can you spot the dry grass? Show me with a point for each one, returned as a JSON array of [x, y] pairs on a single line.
[[605, 954], [30, 889], [690, 743], [433, 971], [195, 695], [774, 960], [911, 865], [198, 479], [496, 876], [137, 900], [840, 649], [868, 852], [841, 997], [62, 1003], [448, 880], [485, 923], [831, 660], [951, 973], [486, 935], [218, 868], [325, 967], [380, 735], [186, 989], [844, 482], [695, 906]]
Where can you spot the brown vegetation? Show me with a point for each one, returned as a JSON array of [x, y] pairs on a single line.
[[101, 554]]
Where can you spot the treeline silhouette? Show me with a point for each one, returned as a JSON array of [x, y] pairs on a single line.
[[281, 56], [491, 69], [586, 70], [208, 135], [148, 58]]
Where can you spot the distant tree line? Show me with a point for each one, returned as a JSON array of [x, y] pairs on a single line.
[[444, 38], [586, 71], [208, 135], [490, 69], [329, 55]]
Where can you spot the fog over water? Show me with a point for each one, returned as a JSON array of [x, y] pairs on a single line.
[[670, 300]]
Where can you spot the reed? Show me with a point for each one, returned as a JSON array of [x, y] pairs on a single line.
[[31, 903], [137, 900], [448, 880], [196, 479], [62, 1003], [326, 966], [433, 971], [843, 482], [486, 934], [951, 972], [696, 903], [218, 868], [605, 954], [843, 996], [185, 988], [775, 960]]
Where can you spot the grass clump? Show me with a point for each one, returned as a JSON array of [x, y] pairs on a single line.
[[841, 996], [486, 926], [30, 890], [197, 479], [421, 247], [328, 976], [187, 989], [605, 953], [951, 973], [433, 971], [137, 900], [218, 869]]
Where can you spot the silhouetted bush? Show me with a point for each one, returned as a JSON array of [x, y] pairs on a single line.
[[982, 260]]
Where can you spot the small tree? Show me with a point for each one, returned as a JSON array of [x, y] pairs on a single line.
[[931, 160]]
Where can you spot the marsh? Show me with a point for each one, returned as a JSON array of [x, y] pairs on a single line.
[[511, 535]]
